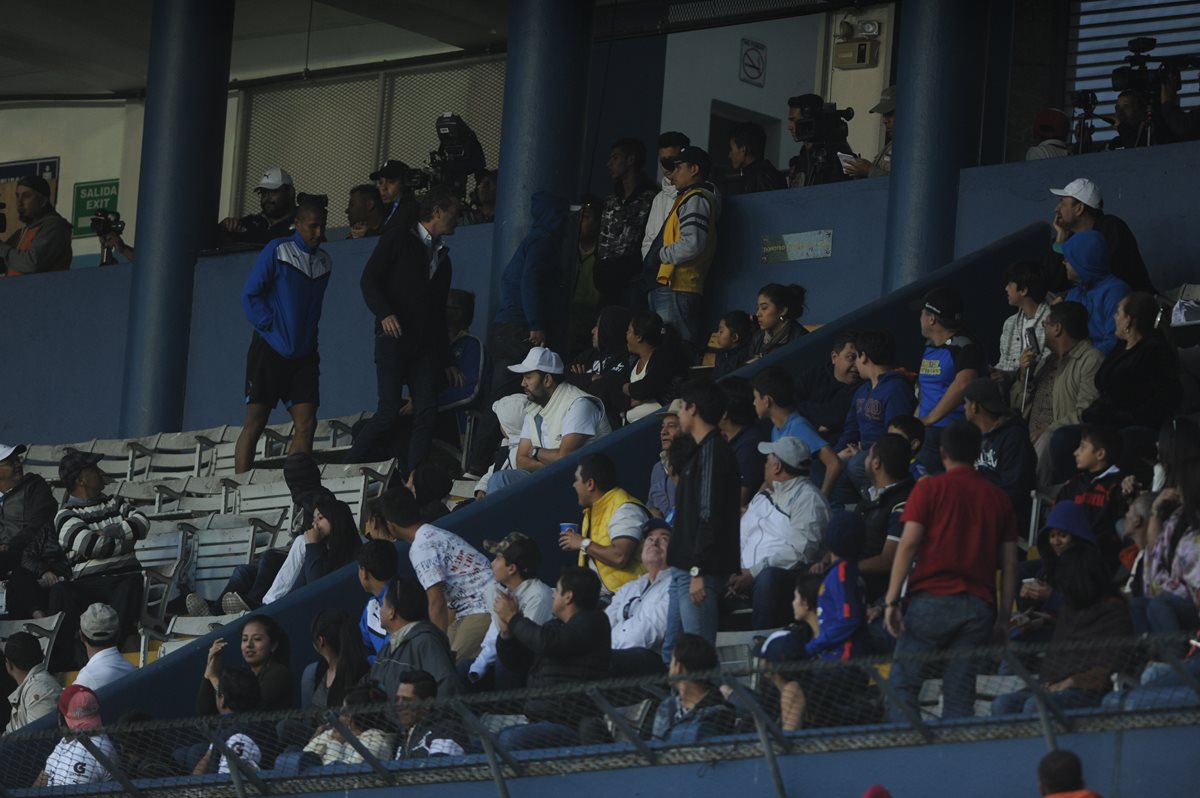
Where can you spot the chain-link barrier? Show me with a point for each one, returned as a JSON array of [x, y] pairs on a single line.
[[756, 709]]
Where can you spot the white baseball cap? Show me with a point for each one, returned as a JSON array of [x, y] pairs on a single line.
[[275, 178], [539, 359], [790, 451], [8, 450], [1083, 190]]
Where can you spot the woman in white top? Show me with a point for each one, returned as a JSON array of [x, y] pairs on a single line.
[[654, 379]]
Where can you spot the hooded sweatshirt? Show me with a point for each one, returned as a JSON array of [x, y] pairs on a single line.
[[873, 405], [1072, 519], [840, 609], [1098, 290], [529, 278]]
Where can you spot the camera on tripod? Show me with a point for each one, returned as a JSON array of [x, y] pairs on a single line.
[[104, 224], [1139, 77], [823, 123], [458, 156]]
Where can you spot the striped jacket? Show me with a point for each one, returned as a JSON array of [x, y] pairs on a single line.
[[98, 537]]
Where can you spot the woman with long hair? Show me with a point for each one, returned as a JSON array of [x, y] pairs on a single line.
[[264, 650], [342, 660], [655, 377]]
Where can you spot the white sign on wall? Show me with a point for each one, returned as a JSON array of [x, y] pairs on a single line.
[[752, 66]]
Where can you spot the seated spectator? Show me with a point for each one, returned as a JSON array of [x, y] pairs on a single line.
[[840, 606], [1080, 208], [1066, 527], [341, 661], [747, 145], [950, 361], [453, 573], [413, 642], [781, 532], [660, 500], [885, 392], [238, 692], [329, 543], [468, 354], [622, 224], [98, 534], [603, 370], [428, 730], [659, 368], [912, 430], [1137, 524], [1062, 384], [1092, 611], [1172, 564], [740, 428], [378, 564], [1060, 775], [1096, 487], [638, 611], [585, 298], [30, 556], [1051, 128], [789, 645], [573, 647], [265, 654], [1095, 287], [100, 631], [430, 485], [695, 710], [778, 315], [611, 532], [887, 466], [1025, 288], [510, 411], [277, 203], [370, 728], [515, 563], [774, 399], [882, 165], [1006, 457], [70, 762], [563, 418], [824, 392], [734, 335], [43, 242], [37, 690], [364, 213]]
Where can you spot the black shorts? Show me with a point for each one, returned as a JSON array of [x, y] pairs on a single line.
[[272, 378]]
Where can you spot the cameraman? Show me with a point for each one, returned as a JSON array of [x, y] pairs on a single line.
[[817, 162], [882, 165], [113, 242], [43, 244], [1181, 125]]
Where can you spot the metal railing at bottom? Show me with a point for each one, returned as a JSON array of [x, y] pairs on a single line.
[[751, 708]]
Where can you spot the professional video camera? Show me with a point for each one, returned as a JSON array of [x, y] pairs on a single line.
[[3, 219], [1140, 78], [823, 123], [105, 223], [458, 156]]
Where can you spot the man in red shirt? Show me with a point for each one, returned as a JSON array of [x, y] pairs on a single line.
[[960, 529]]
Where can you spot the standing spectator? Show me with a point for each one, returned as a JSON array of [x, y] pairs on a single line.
[[950, 361], [774, 400], [572, 647], [824, 392], [455, 575], [1080, 208], [611, 532], [1096, 288], [399, 209], [740, 428], [430, 731], [891, 483], [277, 204], [43, 243], [264, 650], [100, 631], [638, 611], [30, 557], [1025, 288], [365, 211], [405, 285], [660, 499], [695, 709], [747, 145], [705, 549], [37, 690], [585, 297], [70, 762], [622, 224], [378, 563], [951, 591], [778, 315], [1050, 128], [413, 642], [734, 335], [682, 254], [659, 369], [1006, 457], [670, 144], [282, 299], [1060, 775]]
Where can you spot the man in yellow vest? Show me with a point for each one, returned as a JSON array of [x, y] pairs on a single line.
[[612, 525]]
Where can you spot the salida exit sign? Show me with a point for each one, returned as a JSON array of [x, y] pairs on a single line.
[[91, 197]]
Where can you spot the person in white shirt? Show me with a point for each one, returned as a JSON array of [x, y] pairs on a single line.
[[510, 410], [563, 417], [515, 563], [638, 611], [782, 531], [99, 629], [239, 692], [669, 145], [454, 574], [70, 762]]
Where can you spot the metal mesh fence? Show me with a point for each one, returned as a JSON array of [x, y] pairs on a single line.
[[753, 709]]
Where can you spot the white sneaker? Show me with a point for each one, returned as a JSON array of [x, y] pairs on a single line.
[[197, 605], [232, 603]]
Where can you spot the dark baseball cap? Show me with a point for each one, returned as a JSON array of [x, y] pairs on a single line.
[[73, 464], [37, 183], [985, 392], [391, 169], [517, 549], [945, 303], [690, 154]]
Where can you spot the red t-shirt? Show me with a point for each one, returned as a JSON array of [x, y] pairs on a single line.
[[966, 519]]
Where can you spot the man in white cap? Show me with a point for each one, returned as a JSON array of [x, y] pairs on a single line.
[[100, 631], [562, 419], [882, 165], [1081, 207], [30, 558], [781, 531], [277, 203]]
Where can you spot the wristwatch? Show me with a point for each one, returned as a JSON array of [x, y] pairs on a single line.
[[583, 544], [695, 570], [533, 453]]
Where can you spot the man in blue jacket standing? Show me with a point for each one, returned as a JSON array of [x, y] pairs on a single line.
[[1089, 267], [282, 299]]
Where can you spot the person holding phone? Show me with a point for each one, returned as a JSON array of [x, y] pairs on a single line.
[[1025, 289]]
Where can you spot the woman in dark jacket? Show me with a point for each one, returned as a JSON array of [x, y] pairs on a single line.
[[655, 378], [603, 369], [778, 313], [264, 651]]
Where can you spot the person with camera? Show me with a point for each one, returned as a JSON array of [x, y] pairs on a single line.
[[882, 165], [1181, 125], [365, 211], [277, 202], [399, 206], [817, 162], [43, 244]]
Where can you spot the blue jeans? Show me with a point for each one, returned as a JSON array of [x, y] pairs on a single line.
[[395, 367], [681, 310], [935, 624], [1022, 702], [930, 454], [1163, 614], [772, 598], [539, 734], [502, 479], [684, 616]]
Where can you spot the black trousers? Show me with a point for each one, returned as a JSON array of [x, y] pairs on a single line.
[[122, 592]]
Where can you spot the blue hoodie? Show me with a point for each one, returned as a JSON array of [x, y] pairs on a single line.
[[872, 406], [1070, 518], [529, 278], [841, 611], [1098, 290], [284, 293]]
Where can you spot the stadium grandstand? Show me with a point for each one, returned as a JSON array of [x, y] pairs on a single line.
[[796, 397]]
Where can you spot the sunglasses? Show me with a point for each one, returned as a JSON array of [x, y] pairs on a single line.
[[670, 164]]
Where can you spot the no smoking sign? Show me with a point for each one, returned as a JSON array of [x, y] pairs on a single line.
[[752, 66]]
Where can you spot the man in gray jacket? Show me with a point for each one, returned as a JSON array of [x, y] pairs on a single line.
[[37, 691], [43, 244], [414, 644]]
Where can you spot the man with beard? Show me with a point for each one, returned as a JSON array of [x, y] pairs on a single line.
[[562, 419], [44, 243], [277, 199]]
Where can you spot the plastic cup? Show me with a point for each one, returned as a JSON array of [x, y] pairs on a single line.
[[565, 528]]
